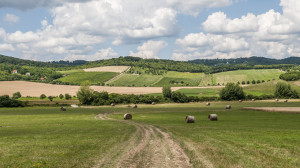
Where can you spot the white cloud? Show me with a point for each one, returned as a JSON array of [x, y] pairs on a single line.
[[11, 18], [149, 49], [6, 47], [270, 34], [99, 55]]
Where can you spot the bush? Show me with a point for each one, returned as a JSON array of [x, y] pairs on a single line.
[[284, 90], [61, 96], [167, 91], [253, 82], [248, 82], [178, 97], [5, 101], [16, 95], [243, 83], [43, 96], [67, 96], [85, 94], [258, 81], [232, 92], [50, 98]]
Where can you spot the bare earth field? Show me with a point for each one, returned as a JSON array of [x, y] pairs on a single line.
[[118, 69], [276, 109], [34, 89]]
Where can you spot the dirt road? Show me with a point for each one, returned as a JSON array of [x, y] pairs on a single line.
[[148, 147]]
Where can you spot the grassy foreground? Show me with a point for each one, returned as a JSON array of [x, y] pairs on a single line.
[[48, 137]]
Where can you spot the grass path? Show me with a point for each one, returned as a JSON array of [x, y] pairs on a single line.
[[149, 146]]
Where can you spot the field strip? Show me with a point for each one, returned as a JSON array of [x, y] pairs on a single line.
[[275, 109], [118, 69], [148, 147], [35, 89]]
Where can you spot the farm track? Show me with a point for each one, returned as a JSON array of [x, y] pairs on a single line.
[[149, 146]]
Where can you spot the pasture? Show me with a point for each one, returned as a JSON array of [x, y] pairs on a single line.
[[80, 137], [246, 75], [94, 78]]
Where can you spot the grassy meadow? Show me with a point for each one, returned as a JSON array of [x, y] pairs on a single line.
[[246, 75], [48, 137], [95, 78]]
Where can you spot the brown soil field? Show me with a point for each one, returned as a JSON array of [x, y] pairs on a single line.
[[117, 69], [276, 109], [34, 89]]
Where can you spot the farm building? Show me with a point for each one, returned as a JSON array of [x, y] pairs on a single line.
[[27, 74], [15, 71]]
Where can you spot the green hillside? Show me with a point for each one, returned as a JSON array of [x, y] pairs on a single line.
[[246, 75], [95, 78], [136, 80]]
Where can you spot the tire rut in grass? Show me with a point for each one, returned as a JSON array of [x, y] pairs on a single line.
[[149, 146]]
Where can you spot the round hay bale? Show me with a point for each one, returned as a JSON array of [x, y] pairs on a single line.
[[286, 100], [253, 99], [189, 119], [112, 104], [240, 101], [135, 106], [213, 117], [276, 100], [207, 104], [153, 103], [63, 109], [228, 107], [127, 116], [74, 105]]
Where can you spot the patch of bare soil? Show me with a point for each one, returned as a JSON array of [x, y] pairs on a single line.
[[276, 109], [117, 69], [149, 146]]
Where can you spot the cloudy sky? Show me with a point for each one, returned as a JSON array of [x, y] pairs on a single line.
[[168, 29]]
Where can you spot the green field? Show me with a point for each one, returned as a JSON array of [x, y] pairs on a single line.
[[246, 75], [95, 78], [48, 137], [207, 92], [136, 80]]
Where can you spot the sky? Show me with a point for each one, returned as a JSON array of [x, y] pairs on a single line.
[[49, 30]]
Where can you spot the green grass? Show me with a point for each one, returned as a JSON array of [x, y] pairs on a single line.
[[246, 75], [95, 78], [136, 80], [208, 92], [71, 71], [47, 137], [240, 138]]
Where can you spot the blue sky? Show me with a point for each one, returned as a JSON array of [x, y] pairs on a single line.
[[170, 29]]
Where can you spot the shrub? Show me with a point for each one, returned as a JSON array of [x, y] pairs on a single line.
[[50, 98], [258, 81], [61, 96], [85, 94], [243, 83], [232, 92], [284, 90], [248, 82], [178, 97], [43, 96], [166, 90], [253, 82], [16, 95], [67, 96], [5, 101]]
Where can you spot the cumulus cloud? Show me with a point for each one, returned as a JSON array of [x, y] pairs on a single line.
[[6, 47], [11, 18], [149, 49], [99, 55], [31, 4], [270, 34]]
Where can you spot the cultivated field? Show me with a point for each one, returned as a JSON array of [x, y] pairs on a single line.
[[94, 78], [246, 75], [117, 69], [156, 137]]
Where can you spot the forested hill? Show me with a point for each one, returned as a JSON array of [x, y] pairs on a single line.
[[252, 60], [206, 66], [22, 62]]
